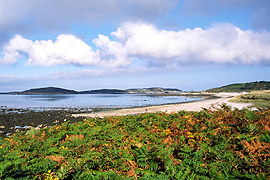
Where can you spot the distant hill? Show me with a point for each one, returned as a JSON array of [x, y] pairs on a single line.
[[242, 87], [153, 90], [48, 90], [108, 91], [56, 90]]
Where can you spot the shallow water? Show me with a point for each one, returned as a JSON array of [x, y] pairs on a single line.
[[89, 100]]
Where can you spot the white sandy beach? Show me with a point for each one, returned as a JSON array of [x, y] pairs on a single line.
[[190, 106]]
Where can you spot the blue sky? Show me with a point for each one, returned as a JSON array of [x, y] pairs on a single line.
[[91, 44]]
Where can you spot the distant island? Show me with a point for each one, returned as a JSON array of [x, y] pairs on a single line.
[[56, 90], [242, 87], [237, 87]]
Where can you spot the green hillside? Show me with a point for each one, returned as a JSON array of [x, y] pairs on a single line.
[[241, 87]]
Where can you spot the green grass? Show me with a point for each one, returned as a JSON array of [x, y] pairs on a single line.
[[259, 99], [242, 87], [221, 144]]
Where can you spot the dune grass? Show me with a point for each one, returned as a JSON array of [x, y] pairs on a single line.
[[260, 99]]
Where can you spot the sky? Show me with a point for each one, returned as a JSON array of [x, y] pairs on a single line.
[[93, 44]]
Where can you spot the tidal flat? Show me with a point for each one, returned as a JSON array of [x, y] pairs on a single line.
[[22, 112], [19, 119]]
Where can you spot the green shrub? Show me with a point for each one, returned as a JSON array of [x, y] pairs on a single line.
[[221, 144]]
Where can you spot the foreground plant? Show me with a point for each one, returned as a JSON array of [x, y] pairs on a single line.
[[221, 144]]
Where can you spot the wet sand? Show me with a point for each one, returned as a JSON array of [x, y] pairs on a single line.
[[190, 106]]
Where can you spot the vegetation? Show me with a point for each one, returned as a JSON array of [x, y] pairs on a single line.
[[243, 87], [259, 99], [221, 144]]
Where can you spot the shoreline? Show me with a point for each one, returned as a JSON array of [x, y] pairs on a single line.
[[13, 120], [187, 106]]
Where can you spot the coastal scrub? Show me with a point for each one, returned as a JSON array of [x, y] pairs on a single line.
[[220, 144], [260, 99]]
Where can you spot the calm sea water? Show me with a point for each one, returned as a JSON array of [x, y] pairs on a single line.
[[88, 100]]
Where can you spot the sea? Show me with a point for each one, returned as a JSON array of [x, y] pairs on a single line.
[[89, 100]]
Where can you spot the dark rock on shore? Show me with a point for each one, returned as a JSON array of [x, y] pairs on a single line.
[[22, 120]]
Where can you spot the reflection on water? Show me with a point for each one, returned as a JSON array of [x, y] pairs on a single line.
[[89, 100], [48, 97], [106, 95]]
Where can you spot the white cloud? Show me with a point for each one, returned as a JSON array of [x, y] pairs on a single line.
[[12, 51], [219, 44], [111, 52], [67, 49]]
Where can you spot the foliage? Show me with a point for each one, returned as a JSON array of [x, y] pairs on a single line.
[[221, 144], [259, 99], [242, 87]]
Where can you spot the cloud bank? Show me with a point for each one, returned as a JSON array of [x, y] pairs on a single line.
[[50, 15], [53, 15], [260, 9], [218, 44], [64, 12]]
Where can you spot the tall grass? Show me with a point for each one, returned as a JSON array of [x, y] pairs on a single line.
[[259, 99]]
